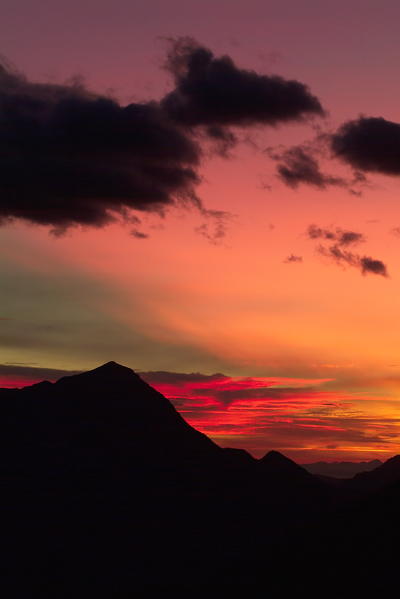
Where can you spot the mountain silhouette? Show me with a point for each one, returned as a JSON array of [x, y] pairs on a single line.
[[275, 462], [97, 417], [103, 481]]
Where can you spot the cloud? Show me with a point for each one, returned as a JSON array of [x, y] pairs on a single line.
[[365, 264], [218, 389], [341, 237], [292, 258], [228, 396], [215, 225], [214, 93], [70, 157], [139, 234], [298, 165], [21, 375], [302, 416], [369, 144], [175, 378], [370, 265], [395, 231], [339, 240]]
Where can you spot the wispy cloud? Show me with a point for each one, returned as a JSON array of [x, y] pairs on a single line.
[[335, 246]]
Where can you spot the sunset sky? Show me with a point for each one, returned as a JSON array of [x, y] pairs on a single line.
[[167, 202]]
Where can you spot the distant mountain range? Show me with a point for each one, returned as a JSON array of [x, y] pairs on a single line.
[[106, 489], [341, 469]]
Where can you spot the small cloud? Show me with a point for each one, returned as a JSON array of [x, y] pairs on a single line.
[[336, 244], [341, 237], [298, 165], [216, 224], [139, 234], [292, 258], [369, 144], [395, 231], [370, 265]]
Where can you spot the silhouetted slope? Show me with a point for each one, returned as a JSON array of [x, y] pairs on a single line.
[[99, 416], [290, 485], [275, 463], [238, 459], [368, 482], [353, 548]]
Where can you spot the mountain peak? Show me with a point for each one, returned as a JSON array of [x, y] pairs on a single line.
[[276, 462], [275, 457], [111, 367], [110, 373]]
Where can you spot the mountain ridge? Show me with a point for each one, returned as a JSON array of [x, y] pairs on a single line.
[[102, 480], [114, 373]]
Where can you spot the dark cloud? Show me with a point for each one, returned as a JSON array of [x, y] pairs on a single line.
[[369, 144], [298, 165], [370, 265], [222, 138], [336, 243], [139, 234], [72, 157], [340, 256], [292, 258], [341, 237], [214, 93], [396, 231]]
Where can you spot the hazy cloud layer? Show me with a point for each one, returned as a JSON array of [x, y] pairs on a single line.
[[20, 375], [271, 413], [176, 378]]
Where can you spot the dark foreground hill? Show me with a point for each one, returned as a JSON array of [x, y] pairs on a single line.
[[105, 489]]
